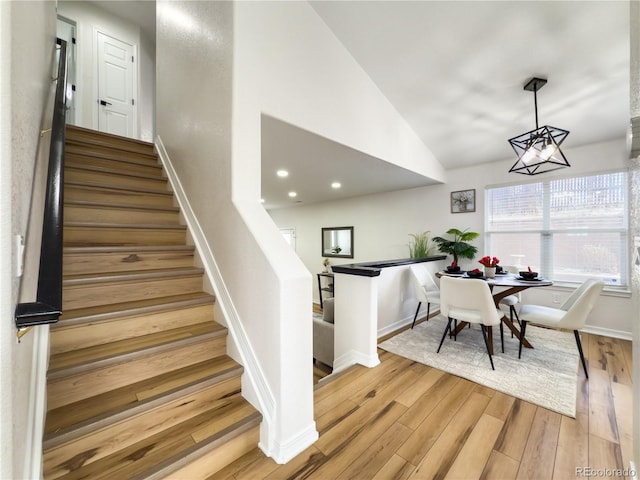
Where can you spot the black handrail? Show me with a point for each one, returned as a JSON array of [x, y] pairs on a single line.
[[48, 305]]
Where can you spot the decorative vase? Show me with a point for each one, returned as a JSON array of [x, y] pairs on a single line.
[[490, 272]]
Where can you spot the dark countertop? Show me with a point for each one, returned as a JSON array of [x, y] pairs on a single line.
[[373, 269]]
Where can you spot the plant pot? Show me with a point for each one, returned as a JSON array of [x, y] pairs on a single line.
[[490, 272]]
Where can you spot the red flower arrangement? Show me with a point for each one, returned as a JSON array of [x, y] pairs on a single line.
[[489, 261]]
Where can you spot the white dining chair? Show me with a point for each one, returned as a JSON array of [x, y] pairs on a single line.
[[424, 287], [572, 314], [469, 300]]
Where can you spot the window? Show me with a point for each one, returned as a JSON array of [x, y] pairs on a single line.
[[567, 229]]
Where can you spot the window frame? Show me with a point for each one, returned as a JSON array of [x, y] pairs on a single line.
[[547, 233]]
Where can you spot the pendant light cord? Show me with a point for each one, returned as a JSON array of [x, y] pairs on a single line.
[[535, 103]]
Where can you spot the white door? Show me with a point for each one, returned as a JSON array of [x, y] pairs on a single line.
[[66, 30], [116, 94]]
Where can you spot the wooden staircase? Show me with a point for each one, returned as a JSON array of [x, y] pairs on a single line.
[[139, 384]]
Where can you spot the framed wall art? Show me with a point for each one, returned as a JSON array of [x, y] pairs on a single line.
[[463, 201]]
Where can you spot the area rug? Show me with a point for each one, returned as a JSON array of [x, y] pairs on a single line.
[[545, 376]]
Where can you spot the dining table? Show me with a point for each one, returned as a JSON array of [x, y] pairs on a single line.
[[512, 284]]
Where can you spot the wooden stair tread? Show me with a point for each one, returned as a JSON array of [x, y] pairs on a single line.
[[120, 188], [113, 171], [126, 249], [139, 307], [76, 418], [76, 133], [77, 361], [86, 279], [123, 206], [74, 147], [205, 446], [125, 225], [168, 447]]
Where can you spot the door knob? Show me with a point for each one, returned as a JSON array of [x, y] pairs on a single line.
[[104, 103]]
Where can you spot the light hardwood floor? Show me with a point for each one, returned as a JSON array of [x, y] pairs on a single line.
[[404, 420]]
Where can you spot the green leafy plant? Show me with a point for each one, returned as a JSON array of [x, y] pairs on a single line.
[[419, 246], [458, 246]]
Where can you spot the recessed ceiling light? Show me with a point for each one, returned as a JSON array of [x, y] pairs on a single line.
[[293, 194], [336, 185], [282, 173]]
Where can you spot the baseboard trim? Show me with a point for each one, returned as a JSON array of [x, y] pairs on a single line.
[[607, 332], [395, 326], [259, 393], [352, 357], [281, 452], [37, 403]]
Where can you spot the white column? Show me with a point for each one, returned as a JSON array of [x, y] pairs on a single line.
[[356, 321]]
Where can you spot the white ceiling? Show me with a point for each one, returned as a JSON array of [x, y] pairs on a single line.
[[139, 12], [456, 70], [314, 163]]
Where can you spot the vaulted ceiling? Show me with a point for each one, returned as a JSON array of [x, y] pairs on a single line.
[[456, 70]]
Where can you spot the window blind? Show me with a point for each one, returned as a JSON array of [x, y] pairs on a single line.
[[567, 229]]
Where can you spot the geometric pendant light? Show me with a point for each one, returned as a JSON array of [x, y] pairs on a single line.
[[538, 151]]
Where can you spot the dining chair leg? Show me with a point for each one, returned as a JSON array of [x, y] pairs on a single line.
[[428, 310], [446, 330], [455, 329], [579, 344], [515, 312], [502, 335], [511, 311], [486, 343], [416, 315], [523, 330]]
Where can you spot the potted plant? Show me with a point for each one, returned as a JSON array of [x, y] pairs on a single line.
[[458, 246], [419, 245]]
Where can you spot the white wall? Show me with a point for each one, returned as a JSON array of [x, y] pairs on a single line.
[[27, 52], [147, 89], [383, 222], [287, 64], [89, 18]]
